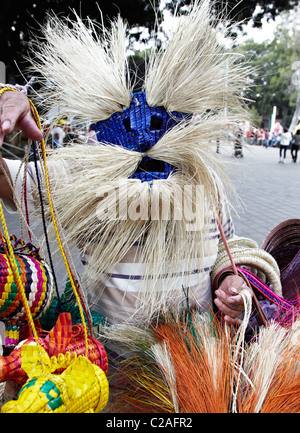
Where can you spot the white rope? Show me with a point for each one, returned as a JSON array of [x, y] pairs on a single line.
[[22, 89], [239, 352]]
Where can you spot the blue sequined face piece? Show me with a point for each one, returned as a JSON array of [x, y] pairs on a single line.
[[138, 128]]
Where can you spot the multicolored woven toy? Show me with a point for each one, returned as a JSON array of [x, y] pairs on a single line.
[[61, 339], [38, 283], [82, 387]]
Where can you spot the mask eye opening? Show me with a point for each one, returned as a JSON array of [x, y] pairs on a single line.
[[126, 123], [156, 123]]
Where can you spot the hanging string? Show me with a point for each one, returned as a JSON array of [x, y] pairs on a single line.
[[34, 148], [80, 302], [70, 274], [24, 188]]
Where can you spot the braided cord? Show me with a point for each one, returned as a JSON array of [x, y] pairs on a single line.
[[70, 275], [12, 259], [4, 89]]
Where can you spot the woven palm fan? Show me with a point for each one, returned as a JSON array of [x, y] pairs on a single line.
[[285, 233], [283, 243]]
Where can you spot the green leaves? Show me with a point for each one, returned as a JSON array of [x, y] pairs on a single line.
[[272, 79]]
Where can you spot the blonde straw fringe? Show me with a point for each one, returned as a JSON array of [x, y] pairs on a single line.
[[195, 73], [87, 72]]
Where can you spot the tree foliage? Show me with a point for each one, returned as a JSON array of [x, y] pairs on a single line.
[[20, 17], [272, 81], [238, 11]]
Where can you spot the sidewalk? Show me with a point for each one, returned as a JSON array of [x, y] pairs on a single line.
[[270, 191]]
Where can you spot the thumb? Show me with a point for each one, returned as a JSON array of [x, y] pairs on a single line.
[[6, 126], [30, 128], [1, 138], [233, 291]]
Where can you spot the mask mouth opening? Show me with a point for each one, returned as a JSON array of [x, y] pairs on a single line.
[[150, 165], [152, 169]]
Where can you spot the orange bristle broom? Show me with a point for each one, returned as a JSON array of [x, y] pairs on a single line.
[[189, 370]]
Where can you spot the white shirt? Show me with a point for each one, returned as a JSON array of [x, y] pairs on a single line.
[[61, 133], [285, 138]]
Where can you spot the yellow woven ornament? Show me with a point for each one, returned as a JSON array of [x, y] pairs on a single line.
[[81, 388]]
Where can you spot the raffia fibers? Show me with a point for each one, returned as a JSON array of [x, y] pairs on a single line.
[[198, 365]]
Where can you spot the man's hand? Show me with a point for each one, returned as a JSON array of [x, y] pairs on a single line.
[[228, 299], [15, 113]]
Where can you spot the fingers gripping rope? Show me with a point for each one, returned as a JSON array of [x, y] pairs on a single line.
[[260, 314], [247, 299]]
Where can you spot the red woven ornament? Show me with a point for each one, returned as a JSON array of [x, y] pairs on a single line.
[[61, 339]]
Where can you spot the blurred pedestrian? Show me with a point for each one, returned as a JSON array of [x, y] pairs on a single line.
[[284, 140], [254, 136], [58, 135], [295, 146], [69, 135], [267, 139], [261, 137], [238, 144], [91, 137]]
